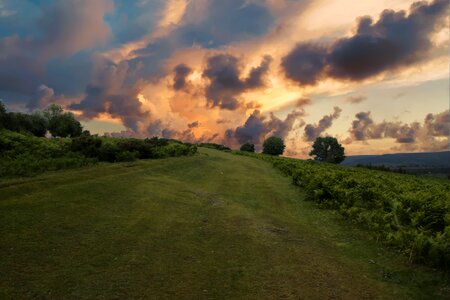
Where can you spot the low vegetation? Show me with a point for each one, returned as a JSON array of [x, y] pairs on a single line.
[[407, 212], [208, 226], [25, 151], [23, 154], [214, 146]]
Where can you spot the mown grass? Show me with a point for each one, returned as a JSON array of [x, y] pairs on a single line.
[[210, 226]]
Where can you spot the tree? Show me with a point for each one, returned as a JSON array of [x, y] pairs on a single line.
[[248, 147], [65, 125], [39, 124], [62, 124], [2, 115], [273, 146], [327, 149]]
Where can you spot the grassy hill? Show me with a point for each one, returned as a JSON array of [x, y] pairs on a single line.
[[209, 226]]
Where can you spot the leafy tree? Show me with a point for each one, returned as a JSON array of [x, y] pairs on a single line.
[[2, 115], [2, 108], [38, 124], [327, 149], [60, 123], [53, 110], [273, 146], [65, 125], [248, 147]]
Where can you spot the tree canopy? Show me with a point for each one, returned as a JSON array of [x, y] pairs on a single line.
[[327, 149], [53, 119], [248, 147], [273, 146]]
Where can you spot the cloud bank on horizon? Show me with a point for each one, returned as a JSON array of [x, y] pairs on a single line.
[[236, 71]]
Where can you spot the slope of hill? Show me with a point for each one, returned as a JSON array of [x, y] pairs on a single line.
[[210, 226], [425, 159]]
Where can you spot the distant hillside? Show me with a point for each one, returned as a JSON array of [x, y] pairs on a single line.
[[427, 162]]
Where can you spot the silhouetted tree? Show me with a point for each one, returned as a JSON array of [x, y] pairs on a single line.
[[248, 147], [2, 115], [273, 146], [327, 149]]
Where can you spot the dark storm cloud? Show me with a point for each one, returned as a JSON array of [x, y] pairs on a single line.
[[313, 131], [41, 98], [258, 126], [181, 72], [225, 83], [434, 126], [62, 29], [395, 41], [305, 63], [111, 92], [221, 23], [256, 76]]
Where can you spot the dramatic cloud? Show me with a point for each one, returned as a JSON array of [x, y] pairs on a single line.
[[110, 92], [258, 127], [203, 70], [42, 98], [432, 135], [224, 74], [64, 28], [216, 22], [181, 72], [313, 131], [395, 41]]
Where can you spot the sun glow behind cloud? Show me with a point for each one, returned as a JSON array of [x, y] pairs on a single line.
[[228, 87]]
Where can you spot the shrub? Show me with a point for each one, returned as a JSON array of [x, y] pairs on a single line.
[[248, 147], [89, 146], [109, 152], [408, 212]]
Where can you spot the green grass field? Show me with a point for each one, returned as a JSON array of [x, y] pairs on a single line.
[[209, 226]]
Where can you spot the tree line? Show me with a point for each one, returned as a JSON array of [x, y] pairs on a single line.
[[53, 119], [326, 149]]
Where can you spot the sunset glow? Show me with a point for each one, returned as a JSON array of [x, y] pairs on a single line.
[[374, 74]]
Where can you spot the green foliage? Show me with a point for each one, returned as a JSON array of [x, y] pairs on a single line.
[[248, 147], [327, 149], [87, 145], [408, 212], [62, 124], [53, 119], [2, 108], [2, 115], [214, 146], [26, 155], [273, 146]]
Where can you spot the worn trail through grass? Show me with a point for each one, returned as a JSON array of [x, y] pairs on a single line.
[[210, 226]]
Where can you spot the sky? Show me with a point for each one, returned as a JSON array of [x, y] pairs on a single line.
[[374, 74]]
